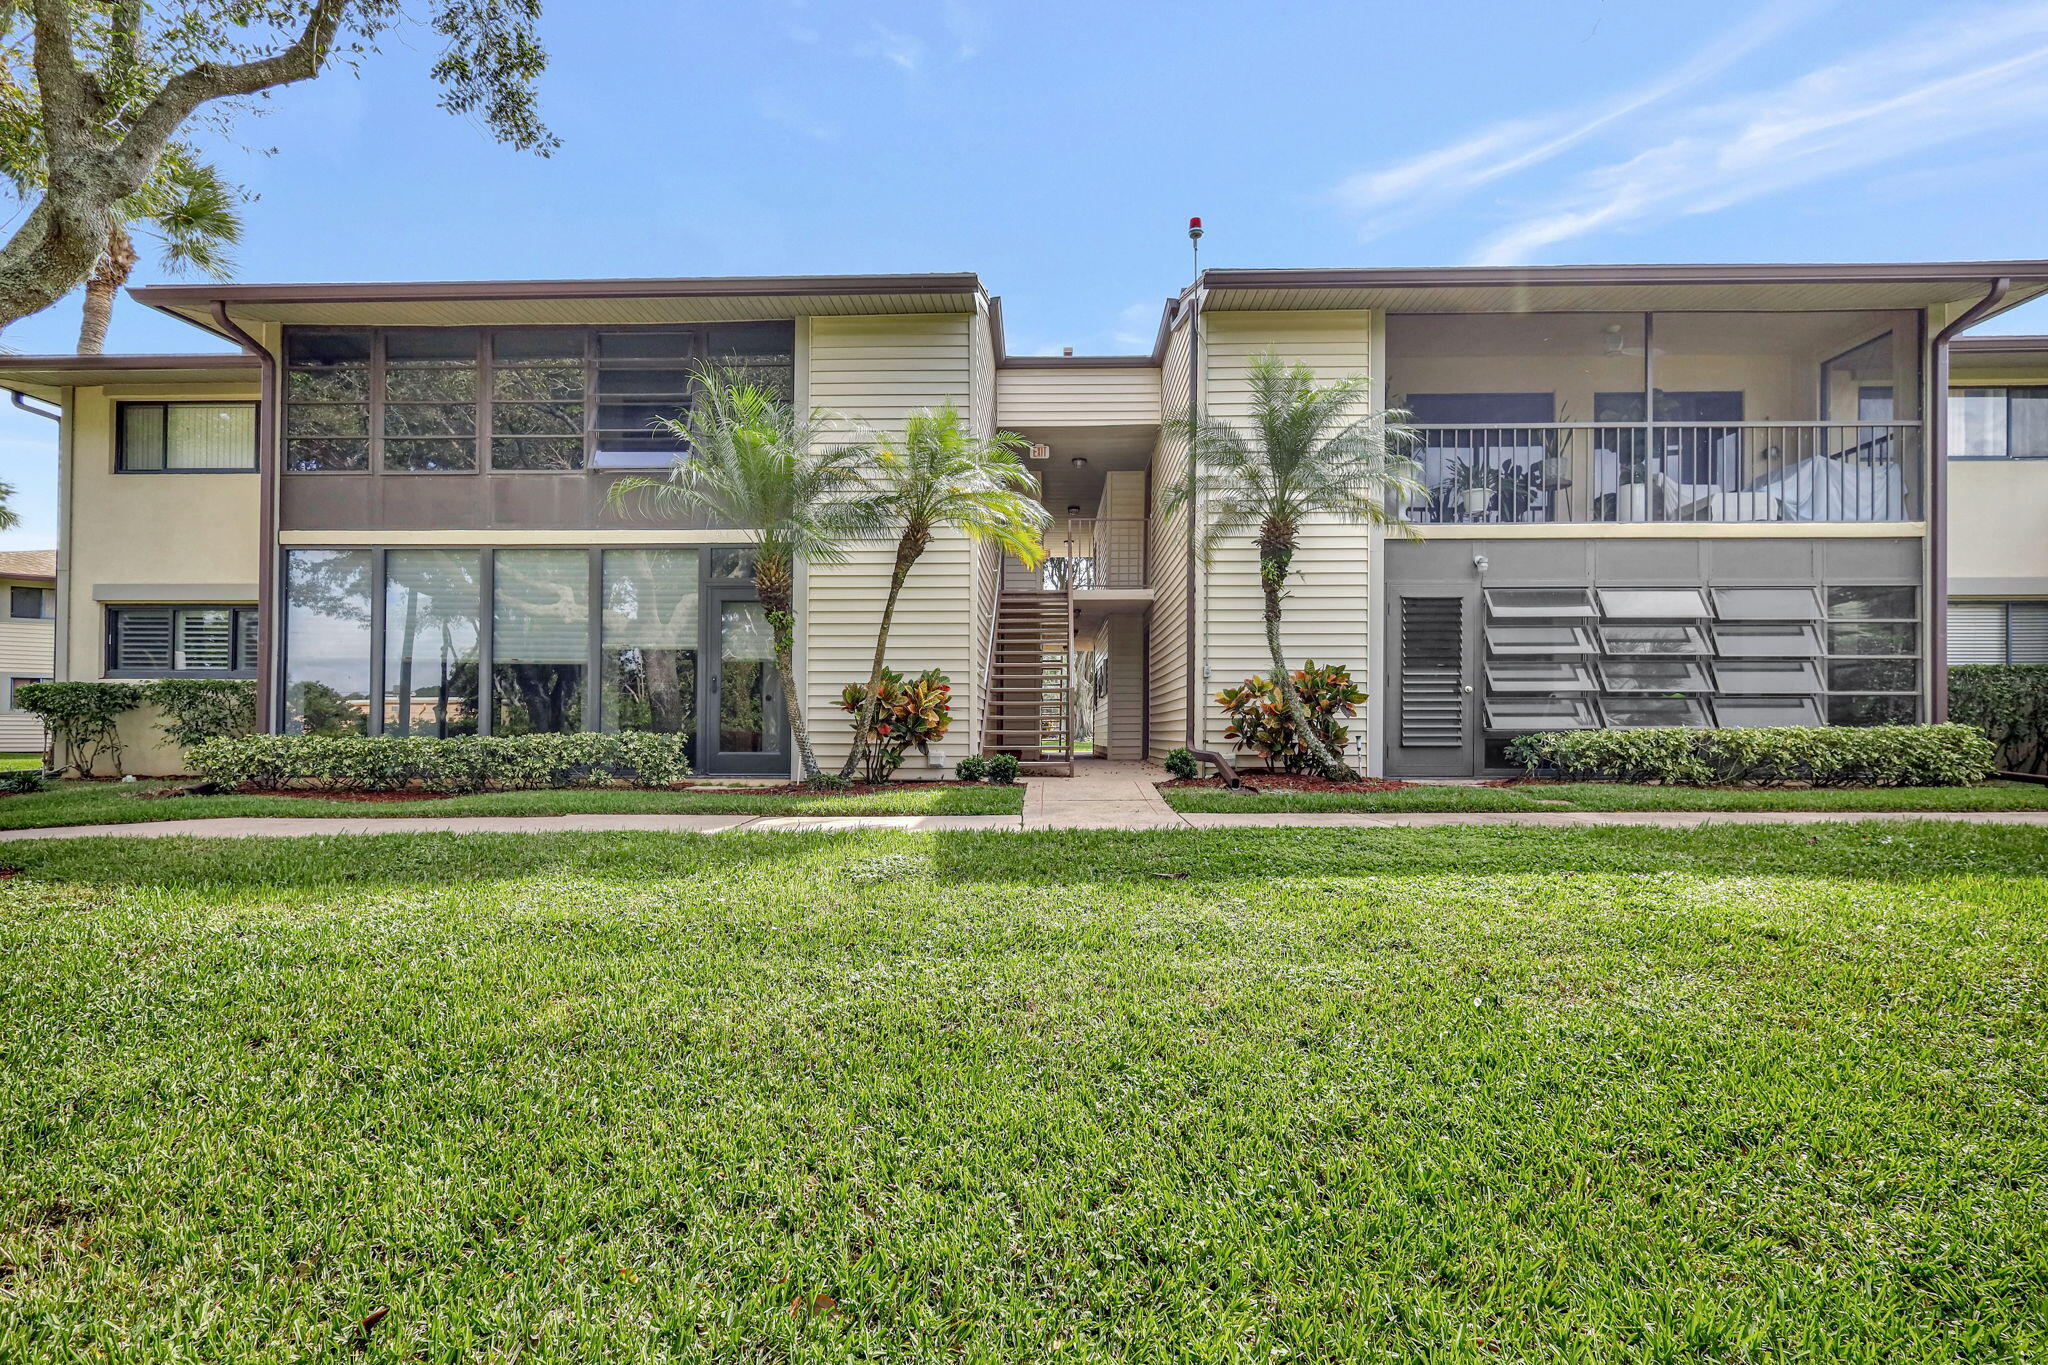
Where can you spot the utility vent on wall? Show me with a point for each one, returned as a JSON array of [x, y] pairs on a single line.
[[1432, 672]]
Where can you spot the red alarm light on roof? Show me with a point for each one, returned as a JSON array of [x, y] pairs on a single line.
[[1194, 227]]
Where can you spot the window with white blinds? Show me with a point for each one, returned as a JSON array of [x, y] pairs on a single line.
[[167, 640], [158, 438], [541, 607], [1998, 632]]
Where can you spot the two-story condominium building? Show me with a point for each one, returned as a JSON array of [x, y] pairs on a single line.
[[1690, 495]]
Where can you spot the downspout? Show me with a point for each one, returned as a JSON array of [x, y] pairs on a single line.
[[21, 400], [1937, 500], [266, 516], [1194, 688]]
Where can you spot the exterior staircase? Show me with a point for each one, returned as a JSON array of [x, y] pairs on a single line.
[[1030, 686]]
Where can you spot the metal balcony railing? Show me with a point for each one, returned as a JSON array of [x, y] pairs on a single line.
[[1729, 472], [1097, 552]]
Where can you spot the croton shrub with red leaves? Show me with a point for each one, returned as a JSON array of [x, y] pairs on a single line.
[[910, 713], [1259, 719]]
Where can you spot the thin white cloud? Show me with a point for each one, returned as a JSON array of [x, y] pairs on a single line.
[[904, 51], [1411, 189], [1967, 74]]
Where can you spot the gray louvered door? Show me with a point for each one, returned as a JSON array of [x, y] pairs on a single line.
[[1433, 728]]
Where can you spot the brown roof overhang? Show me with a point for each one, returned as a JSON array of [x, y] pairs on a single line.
[[470, 302], [1767, 287], [46, 376]]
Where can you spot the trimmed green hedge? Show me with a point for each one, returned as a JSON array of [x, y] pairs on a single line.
[[466, 764], [2008, 702], [1824, 755]]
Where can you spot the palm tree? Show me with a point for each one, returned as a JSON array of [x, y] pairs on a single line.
[[756, 464], [944, 476], [191, 210], [1303, 452]]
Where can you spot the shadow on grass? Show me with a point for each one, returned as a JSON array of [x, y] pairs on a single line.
[[1890, 851]]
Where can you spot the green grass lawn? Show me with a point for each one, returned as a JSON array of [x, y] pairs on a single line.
[[1607, 796], [111, 803], [1269, 1095], [20, 761]]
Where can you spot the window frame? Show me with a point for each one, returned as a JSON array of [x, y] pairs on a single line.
[[1584, 715], [1841, 699], [14, 681], [46, 602], [2005, 393], [595, 718], [241, 647], [122, 406], [1613, 605], [2006, 610]]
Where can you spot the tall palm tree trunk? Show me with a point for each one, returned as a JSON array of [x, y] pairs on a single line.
[[116, 264], [908, 547], [1275, 555], [775, 585]]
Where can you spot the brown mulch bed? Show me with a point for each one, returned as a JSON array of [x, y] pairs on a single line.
[[691, 788], [1292, 782]]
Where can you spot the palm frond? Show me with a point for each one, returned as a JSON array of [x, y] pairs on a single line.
[[1304, 451]]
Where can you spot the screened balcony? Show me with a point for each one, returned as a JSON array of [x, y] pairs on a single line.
[[1687, 417]]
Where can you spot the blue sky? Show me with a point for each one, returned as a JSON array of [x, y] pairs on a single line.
[[1059, 148]]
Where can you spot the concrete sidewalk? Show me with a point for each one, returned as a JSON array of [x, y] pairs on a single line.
[[1100, 795]]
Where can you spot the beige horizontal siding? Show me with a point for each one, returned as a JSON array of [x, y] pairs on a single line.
[[875, 372], [1171, 569], [1327, 609], [1077, 397], [28, 649]]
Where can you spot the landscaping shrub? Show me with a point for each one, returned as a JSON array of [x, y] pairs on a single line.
[[23, 781], [194, 710], [2009, 703], [909, 713], [1259, 719], [1824, 755], [1003, 769], [972, 768], [82, 717], [467, 763], [1180, 763]]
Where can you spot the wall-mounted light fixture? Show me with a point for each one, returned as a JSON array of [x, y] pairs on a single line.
[[1479, 563], [1080, 462]]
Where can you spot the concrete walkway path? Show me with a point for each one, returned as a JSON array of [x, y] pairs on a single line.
[[1100, 795]]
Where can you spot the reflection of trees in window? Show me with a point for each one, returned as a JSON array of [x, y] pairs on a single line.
[[650, 640], [432, 601], [540, 642], [317, 709], [327, 641]]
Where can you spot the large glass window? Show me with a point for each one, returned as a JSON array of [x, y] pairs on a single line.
[[432, 600], [540, 640], [327, 633], [650, 640], [429, 399], [1998, 423], [158, 438]]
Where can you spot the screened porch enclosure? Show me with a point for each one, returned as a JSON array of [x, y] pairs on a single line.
[[1661, 417]]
